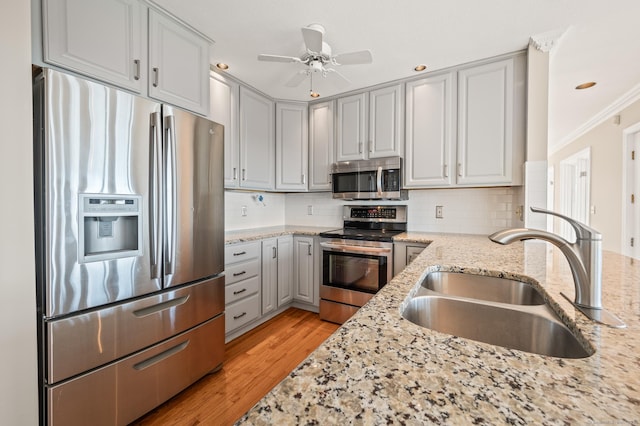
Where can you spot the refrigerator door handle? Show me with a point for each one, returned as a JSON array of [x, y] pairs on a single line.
[[155, 179], [170, 191]]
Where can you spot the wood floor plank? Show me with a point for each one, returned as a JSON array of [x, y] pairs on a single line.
[[254, 363]]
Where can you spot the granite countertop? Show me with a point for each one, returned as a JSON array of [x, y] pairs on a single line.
[[254, 234], [380, 368]]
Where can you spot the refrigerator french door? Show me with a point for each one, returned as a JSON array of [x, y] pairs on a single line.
[[130, 246]]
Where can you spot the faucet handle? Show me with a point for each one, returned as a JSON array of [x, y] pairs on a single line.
[[583, 232]]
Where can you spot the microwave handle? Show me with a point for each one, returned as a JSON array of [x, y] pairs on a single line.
[[379, 181]]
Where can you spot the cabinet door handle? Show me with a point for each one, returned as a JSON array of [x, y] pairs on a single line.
[[275, 252], [460, 169], [240, 253], [136, 72], [244, 174], [239, 291], [237, 274], [239, 316], [155, 76], [304, 179], [445, 170], [371, 146], [309, 248], [235, 173]]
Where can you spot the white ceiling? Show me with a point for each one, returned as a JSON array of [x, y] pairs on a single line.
[[600, 43]]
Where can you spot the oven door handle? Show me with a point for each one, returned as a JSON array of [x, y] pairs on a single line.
[[355, 249]]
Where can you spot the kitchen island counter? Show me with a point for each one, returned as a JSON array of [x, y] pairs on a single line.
[[380, 368]]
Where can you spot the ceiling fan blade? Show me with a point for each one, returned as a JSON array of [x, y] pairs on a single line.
[[278, 58], [297, 78], [313, 37], [354, 58], [340, 80]]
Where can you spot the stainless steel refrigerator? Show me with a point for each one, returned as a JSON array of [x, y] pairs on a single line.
[[130, 248]]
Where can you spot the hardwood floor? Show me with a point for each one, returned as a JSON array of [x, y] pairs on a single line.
[[254, 363]]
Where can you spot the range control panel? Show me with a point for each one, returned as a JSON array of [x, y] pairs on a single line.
[[376, 213]]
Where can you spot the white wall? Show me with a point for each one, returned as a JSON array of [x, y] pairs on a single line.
[[18, 366], [466, 210], [269, 212], [605, 141]]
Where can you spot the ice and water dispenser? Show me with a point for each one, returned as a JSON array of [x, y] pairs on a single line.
[[110, 226]]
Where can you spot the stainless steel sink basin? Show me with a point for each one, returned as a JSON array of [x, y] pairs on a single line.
[[483, 287], [533, 329]]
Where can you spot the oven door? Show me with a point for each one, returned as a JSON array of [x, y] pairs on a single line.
[[353, 271]]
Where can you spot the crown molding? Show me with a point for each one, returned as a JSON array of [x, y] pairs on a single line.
[[614, 108], [544, 42]]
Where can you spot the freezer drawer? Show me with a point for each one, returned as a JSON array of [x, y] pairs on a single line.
[[82, 342], [123, 391]]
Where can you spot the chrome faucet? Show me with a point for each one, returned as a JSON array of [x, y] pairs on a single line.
[[585, 261]]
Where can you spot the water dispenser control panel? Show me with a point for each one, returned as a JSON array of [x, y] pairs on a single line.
[[110, 226]]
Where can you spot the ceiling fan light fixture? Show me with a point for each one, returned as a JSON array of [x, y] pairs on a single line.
[[586, 85], [420, 67], [222, 66]]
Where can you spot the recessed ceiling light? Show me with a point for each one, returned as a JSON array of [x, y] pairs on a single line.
[[314, 94], [420, 68], [585, 85], [222, 66]]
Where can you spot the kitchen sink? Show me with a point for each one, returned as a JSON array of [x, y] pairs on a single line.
[[534, 329], [493, 289]]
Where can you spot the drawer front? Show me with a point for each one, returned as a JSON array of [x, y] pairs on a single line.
[[123, 391], [242, 312], [81, 342], [234, 253], [242, 271], [241, 289]]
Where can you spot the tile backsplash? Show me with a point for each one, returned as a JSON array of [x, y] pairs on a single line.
[[465, 210]]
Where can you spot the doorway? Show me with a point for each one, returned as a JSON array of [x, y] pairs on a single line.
[[630, 191], [575, 191]]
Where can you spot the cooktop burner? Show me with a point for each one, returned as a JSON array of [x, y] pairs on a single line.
[[362, 234]]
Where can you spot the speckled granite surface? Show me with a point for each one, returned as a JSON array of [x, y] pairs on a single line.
[[233, 237], [379, 368]]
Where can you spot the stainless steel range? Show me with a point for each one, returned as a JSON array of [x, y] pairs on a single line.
[[357, 260]]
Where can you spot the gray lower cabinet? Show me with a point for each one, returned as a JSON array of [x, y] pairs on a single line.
[[243, 270], [277, 269], [404, 253], [303, 270]]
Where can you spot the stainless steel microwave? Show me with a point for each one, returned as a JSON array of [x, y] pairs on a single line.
[[377, 179]]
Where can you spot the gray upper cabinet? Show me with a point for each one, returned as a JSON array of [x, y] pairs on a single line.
[[430, 131], [466, 127], [386, 131], [178, 64], [292, 144], [370, 125], [224, 94], [257, 141], [104, 39], [490, 131], [321, 145], [127, 44]]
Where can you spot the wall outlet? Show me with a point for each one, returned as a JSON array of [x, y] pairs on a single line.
[[243, 210], [310, 210], [439, 212]]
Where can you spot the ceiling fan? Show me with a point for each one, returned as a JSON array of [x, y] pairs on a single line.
[[318, 58]]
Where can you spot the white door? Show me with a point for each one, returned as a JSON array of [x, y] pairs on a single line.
[[292, 146], [631, 192], [303, 269], [575, 189], [257, 141], [285, 270]]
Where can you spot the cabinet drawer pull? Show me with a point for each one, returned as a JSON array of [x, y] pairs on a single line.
[[239, 316], [240, 291], [237, 274], [136, 73], [155, 77], [240, 253]]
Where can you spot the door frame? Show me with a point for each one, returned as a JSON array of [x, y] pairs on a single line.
[[628, 135]]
